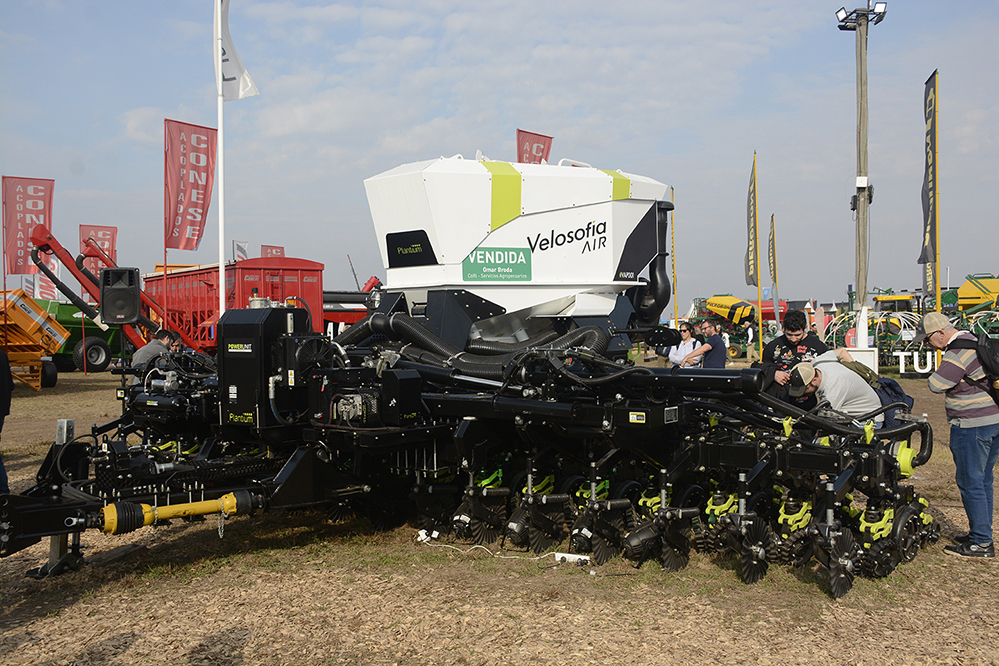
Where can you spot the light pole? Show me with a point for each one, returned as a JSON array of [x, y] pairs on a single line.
[[858, 21]]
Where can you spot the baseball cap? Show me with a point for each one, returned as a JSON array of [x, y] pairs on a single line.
[[801, 376], [930, 324]]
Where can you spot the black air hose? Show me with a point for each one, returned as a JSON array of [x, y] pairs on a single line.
[[494, 347], [356, 333], [399, 326], [85, 308], [396, 325], [86, 271], [658, 293]]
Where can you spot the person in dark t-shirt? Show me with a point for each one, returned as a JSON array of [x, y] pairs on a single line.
[[795, 345], [713, 349]]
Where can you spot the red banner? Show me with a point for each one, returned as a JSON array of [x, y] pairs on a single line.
[[189, 172], [27, 202], [44, 287], [532, 148], [106, 238], [271, 251]]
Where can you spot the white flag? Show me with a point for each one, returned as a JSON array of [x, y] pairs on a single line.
[[236, 81], [240, 250]]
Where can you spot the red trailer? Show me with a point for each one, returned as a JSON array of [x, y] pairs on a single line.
[[190, 295]]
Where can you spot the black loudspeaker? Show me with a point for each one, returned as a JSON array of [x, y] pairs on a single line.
[[120, 299]]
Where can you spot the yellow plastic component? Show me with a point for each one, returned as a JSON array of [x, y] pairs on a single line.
[[878, 530], [796, 521], [492, 481], [726, 507], [651, 502], [904, 457], [788, 426], [545, 486], [869, 432]]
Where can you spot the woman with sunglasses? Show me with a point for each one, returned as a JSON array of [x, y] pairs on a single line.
[[688, 343]]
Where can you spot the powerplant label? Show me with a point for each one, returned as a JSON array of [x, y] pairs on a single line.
[[501, 264]]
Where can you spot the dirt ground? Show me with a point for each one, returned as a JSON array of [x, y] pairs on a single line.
[[297, 589]]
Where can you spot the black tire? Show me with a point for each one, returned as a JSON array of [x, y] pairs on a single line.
[[50, 375], [98, 354], [734, 351]]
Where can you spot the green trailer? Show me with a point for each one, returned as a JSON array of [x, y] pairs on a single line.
[[87, 344]]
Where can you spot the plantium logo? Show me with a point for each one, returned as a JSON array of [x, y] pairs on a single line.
[[415, 248], [589, 238], [501, 264], [409, 248], [240, 347]]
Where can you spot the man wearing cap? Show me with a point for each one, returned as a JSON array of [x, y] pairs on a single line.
[[974, 430], [793, 346], [830, 380]]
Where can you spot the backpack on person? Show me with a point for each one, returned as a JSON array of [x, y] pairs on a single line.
[[889, 391], [987, 350]]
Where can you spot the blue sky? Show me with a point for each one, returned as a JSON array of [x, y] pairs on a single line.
[[678, 91]]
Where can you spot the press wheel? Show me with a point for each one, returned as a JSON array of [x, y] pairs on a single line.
[[540, 539], [676, 548], [488, 519], [881, 558], [757, 548], [841, 564]]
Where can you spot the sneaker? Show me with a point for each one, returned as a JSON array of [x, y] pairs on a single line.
[[961, 538], [967, 549]]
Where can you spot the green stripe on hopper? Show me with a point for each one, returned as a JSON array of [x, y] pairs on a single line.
[[506, 193], [622, 185]]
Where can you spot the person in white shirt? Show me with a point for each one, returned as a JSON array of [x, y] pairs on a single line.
[[830, 380], [688, 343]]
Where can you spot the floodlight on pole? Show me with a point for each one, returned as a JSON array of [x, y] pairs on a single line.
[[858, 21]]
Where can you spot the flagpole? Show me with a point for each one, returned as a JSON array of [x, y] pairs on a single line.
[[3, 235], [220, 151], [759, 282], [672, 241], [776, 289], [166, 291], [936, 195]]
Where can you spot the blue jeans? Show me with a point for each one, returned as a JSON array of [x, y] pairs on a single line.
[[975, 452]]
